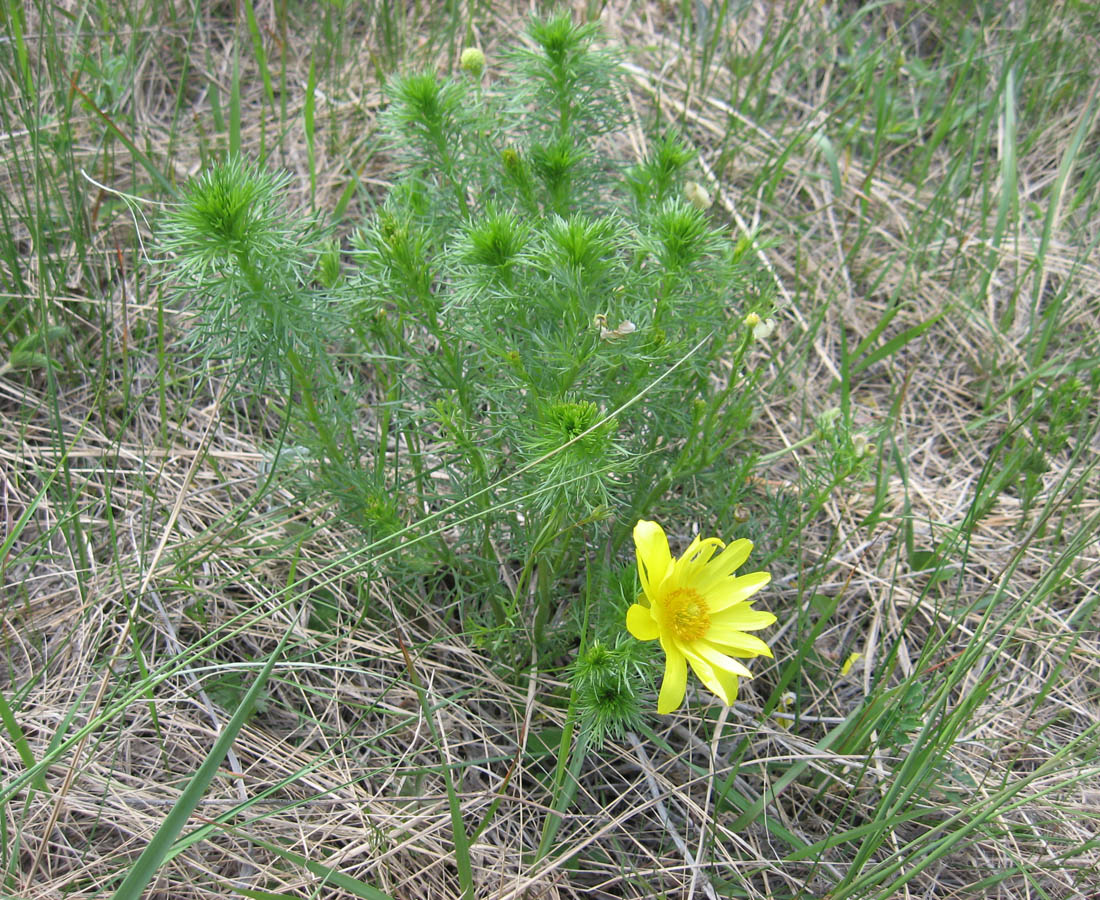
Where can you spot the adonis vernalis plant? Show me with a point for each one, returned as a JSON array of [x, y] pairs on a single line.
[[536, 340]]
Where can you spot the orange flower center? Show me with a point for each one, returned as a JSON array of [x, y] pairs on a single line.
[[686, 614]]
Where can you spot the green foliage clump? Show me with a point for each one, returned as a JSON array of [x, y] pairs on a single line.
[[537, 340], [246, 265]]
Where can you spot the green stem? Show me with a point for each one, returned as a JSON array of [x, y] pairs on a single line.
[[797, 445], [540, 556]]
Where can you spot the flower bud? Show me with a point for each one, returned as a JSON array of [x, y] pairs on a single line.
[[786, 701], [626, 327], [763, 330], [511, 160], [697, 195], [472, 61]]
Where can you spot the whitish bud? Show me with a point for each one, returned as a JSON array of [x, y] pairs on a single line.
[[613, 334], [786, 701], [697, 195], [763, 330]]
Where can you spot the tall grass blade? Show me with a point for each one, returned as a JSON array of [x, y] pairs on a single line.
[[145, 867]]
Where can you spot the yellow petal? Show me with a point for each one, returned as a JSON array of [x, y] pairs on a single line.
[[725, 564], [734, 639], [689, 566], [742, 617], [736, 590], [674, 685], [654, 558], [729, 682], [715, 657], [719, 682], [641, 624]]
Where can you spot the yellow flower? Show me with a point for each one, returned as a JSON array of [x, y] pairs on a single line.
[[699, 610]]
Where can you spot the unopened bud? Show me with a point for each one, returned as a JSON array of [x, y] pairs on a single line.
[[472, 61], [613, 334], [763, 330], [786, 700], [697, 195]]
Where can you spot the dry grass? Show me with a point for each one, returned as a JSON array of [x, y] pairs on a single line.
[[148, 539]]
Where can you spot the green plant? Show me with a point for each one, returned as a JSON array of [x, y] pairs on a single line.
[[540, 329]]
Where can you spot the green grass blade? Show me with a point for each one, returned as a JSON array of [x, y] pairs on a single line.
[[142, 158], [327, 873], [458, 827], [895, 343], [258, 50], [235, 105], [1008, 190], [828, 149], [307, 120], [24, 517], [19, 740], [1068, 163], [145, 867]]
